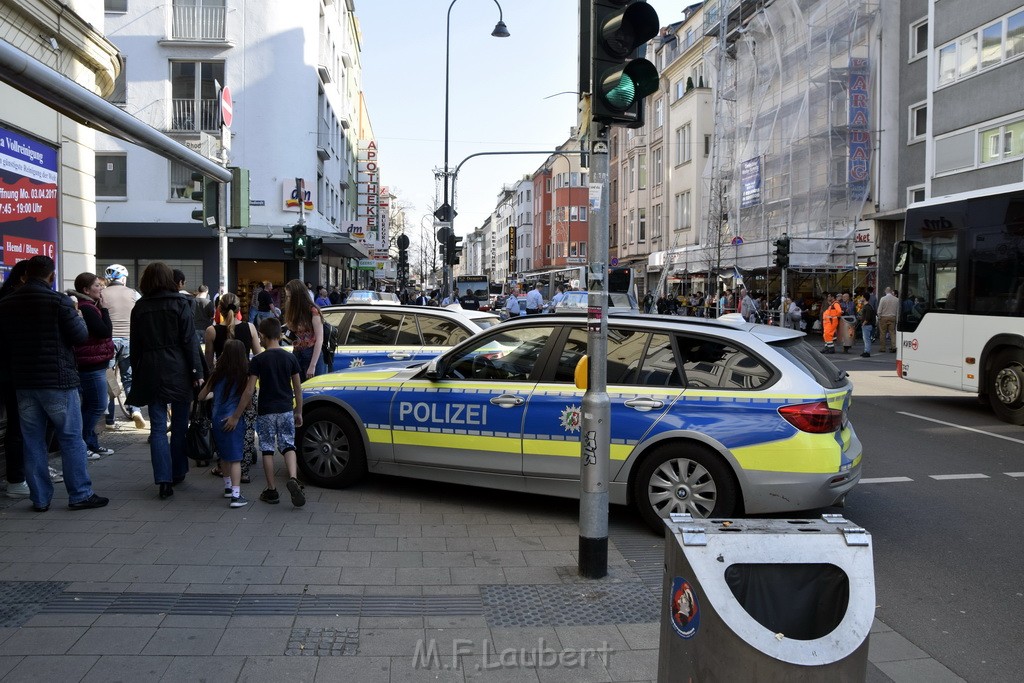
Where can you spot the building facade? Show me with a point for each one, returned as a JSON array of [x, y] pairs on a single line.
[[299, 126]]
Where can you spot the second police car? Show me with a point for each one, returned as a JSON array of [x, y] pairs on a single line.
[[711, 417]]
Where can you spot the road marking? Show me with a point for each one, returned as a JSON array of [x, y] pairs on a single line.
[[944, 477], [1014, 474], [969, 429], [885, 480]]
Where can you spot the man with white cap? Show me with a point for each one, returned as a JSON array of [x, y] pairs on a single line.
[[119, 299]]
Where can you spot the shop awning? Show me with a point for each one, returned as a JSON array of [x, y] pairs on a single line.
[[59, 92]]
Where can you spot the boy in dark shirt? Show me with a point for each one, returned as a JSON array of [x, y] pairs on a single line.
[[279, 410]]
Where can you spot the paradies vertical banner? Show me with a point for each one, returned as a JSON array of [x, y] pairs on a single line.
[[28, 199]]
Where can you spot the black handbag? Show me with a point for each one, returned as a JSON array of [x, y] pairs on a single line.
[[199, 444]]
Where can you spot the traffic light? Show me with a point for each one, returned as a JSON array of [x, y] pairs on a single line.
[[442, 246], [300, 242], [619, 83], [453, 249], [782, 251], [238, 217], [316, 247], [403, 259], [206, 191]]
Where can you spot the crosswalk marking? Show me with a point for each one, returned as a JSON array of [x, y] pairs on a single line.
[[1014, 474], [885, 480], [937, 477], [969, 429], [945, 477]]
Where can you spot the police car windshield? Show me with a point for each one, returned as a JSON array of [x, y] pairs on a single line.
[[808, 359]]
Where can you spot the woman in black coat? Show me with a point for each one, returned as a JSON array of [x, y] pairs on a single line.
[[166, 367]]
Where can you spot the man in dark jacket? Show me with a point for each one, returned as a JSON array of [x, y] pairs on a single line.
[[42, 368]]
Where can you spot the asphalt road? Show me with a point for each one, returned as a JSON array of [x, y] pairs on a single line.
[[944, 511]]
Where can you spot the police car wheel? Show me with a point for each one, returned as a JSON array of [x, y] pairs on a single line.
[[1006, 386], [330, 449], [683, 478]]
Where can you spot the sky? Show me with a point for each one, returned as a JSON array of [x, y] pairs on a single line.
[[504, 94]]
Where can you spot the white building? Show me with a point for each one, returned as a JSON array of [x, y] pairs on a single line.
[[294, 77]]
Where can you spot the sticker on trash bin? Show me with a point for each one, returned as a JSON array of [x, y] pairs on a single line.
[[684, 610]]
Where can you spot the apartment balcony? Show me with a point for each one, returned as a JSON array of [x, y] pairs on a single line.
[[199, 23], [190, 116]]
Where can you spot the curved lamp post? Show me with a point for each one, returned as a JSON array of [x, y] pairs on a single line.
[[446, 213]]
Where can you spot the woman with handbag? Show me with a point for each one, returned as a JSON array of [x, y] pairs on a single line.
[[304, 321], [93, 356], [166, 365], [227, 384]]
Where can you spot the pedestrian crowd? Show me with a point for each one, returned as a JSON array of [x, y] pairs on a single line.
[[61, 375]]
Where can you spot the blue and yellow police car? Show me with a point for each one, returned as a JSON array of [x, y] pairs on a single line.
[[711, 417]]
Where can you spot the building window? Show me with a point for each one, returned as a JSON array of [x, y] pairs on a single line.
[[631, 172], [683, 211], [659, 112], [680, 88], [1000, 143], [631, 230], [955, 152], [657, 167], [683, 152], [915, 194], [194, 95], [547, 185], [641, 225], [181, 181], [707, 144], [198, 20], [583, 213], [984, 48], [918, 39], [115, 5], [547, 217], [111, 175], [641, 171], [657, 228], [918, 122]]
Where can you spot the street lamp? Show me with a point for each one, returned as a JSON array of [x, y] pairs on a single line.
[[446, 213]]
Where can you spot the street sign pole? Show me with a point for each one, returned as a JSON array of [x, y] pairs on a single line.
[[595, 428]]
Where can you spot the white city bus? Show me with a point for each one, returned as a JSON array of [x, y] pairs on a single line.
[[961, 282]]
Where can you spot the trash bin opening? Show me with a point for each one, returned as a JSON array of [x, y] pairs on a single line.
[[800, 601]]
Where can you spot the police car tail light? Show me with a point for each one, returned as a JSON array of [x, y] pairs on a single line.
[[815, 418]]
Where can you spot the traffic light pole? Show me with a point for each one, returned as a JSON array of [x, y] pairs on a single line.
[[595, 427], [222, 239]]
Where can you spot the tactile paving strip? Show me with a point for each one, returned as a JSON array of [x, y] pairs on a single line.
[[22, 600], [569, 605], [258, 605]]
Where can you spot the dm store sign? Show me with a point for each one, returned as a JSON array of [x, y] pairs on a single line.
[[28, 199]]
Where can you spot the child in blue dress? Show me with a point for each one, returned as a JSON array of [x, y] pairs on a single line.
[[227, 384]]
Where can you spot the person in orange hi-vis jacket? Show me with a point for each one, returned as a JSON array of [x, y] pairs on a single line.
[[830, 322]]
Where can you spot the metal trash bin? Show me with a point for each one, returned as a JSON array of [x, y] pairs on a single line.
[[766, 600], [847, 335]]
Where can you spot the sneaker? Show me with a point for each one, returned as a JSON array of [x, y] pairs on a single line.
[[56, 476], [865, 355], [103, 451], [227, 492], [238, 502], [92, 455], [92, 501], [17, 490], [295, 488], [270, 496], [140, 422]]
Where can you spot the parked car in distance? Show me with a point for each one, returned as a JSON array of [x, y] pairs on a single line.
[[368, 296], [576, 300], [370, 333]]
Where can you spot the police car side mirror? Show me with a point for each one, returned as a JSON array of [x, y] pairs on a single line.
[[433, 372]]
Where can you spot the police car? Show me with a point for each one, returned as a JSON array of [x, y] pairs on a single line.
[[369, 334], [711, 417]]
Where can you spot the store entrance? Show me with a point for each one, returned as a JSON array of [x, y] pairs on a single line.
[[248, 273]]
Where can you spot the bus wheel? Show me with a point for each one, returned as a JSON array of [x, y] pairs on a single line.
[[1006, 386]]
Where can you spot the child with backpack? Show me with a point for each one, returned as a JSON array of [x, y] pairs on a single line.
[[229, 385]]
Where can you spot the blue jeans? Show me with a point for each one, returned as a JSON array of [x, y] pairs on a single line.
[[867, 331], [122, 360], [304, 356], [170, 463], [63, 409], [94, 400]]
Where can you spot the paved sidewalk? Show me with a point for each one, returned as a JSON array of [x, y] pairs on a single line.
[[393, 580]]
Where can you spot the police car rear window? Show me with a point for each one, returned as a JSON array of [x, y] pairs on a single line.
[[799, 352]]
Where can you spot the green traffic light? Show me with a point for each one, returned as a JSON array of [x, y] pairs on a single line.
[[622, 95]]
